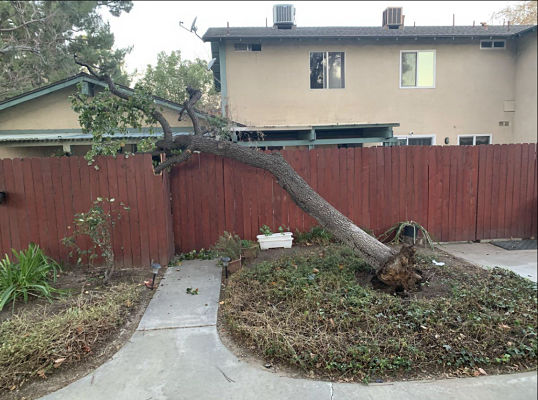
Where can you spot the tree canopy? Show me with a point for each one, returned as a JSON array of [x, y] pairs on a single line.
[[171, 76], [39, 38], [524, 13]]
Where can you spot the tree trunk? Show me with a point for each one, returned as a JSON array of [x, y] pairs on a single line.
[[392, 268]]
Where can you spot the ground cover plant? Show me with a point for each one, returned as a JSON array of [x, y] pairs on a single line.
[[317, 310], [28, 275]]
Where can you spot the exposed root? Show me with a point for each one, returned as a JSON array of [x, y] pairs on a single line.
[[399, 271]]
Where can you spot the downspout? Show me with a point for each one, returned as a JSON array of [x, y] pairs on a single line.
[[223, 85]]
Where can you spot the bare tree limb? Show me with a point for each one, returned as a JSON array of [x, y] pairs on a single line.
[[11, 48]]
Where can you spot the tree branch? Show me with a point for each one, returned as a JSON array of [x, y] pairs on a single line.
[[11, 48], [159, 117]]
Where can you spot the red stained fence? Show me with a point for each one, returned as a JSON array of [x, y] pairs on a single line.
[[457, 193], [45, 193]]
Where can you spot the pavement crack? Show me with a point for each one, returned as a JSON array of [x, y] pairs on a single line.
[[225, 376], [332, 391], [175, 327]]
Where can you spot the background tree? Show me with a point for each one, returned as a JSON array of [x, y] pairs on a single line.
[[523, 13], [38, 40], [171, 76], [396, 269]]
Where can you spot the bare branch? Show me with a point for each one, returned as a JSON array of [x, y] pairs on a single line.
[[170, 162], [11, 48]]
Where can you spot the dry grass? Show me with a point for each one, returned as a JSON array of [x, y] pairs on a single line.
[[311, 311], [34, 343]]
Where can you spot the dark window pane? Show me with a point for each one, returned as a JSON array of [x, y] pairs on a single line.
[[486, 44], [419, 141], [466, 140], [409, 69], [498, 44], [240, 47], [317, 71], [402, 142], [482, 140], [336, 70], [256, 47]]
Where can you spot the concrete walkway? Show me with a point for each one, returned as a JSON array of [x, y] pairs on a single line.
[[176, 354], [522, 262]]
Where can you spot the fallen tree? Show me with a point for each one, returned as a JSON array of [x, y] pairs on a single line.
[[396, 269]]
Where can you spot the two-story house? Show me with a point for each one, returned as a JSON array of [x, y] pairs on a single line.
[[427, 85]]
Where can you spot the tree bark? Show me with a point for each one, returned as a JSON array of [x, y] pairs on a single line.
[[393, 269]]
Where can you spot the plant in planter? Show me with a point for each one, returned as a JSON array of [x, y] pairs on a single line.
[[270, 240], [249, 249], [229, 245]]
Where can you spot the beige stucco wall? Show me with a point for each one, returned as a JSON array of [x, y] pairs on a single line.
[[525, 129], [272, 87], [24, 152]]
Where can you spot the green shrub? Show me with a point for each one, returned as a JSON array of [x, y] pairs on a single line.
[[29, 276], [316, 235], [228, 245]]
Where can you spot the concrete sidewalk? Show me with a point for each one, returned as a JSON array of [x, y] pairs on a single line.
[[522, 262], [176, 354]]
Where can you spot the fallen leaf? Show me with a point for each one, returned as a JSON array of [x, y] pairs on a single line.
[[12, 388], [315, 270], [503, 326], [58, 362], [41, 374], [221, 302], [482, 372], [332, 322]]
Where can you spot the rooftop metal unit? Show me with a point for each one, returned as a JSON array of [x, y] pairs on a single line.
[[283, 16], [393, 18]]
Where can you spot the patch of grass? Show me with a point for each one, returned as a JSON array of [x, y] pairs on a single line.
[[34, 344], [310, 311], [316, 235], [28, 276]]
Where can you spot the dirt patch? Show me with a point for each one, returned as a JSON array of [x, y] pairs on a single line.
[[78, 282]]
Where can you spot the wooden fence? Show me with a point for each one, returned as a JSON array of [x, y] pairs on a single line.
[[43, 194], [457, 193]]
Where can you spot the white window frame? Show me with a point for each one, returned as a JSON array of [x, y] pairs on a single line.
[[493, 48], [327, 68], [248, 49], [432, 137], [434, 69], [474, 138]]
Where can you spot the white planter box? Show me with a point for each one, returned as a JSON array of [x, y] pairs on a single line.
[[275, 240]]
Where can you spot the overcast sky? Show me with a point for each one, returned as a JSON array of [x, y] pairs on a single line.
[[153, 26]]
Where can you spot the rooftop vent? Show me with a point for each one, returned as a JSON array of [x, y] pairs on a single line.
[[283, 16], [393, 18]]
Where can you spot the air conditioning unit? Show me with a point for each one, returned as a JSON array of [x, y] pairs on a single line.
[[393, 17], [283, 16]]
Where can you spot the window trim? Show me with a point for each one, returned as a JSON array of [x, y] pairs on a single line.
[[326, 51], [492, 47], [474, 135], [432, 137], [434, 69], [248, 49]]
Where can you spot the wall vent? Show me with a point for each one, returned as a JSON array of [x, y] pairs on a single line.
[[283, 16], [393, 18]]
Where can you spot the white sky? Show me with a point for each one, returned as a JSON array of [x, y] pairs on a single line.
[[153, 26]]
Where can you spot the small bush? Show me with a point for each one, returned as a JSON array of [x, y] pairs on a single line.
[[202, 254], [29, 276], [316, 235], [228, 245]]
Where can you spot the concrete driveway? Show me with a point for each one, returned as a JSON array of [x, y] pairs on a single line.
[[522, 262]]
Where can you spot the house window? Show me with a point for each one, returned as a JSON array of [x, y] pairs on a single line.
[[471, 140], [417, 69], [327, 70], [247, 47], [416, 140], [492, 44]]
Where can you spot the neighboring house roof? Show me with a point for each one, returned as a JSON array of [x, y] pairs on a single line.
[[336, 32]]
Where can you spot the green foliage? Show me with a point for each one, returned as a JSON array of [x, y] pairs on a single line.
[[97, 224], [265, 230], [228, 245], [34, 344], [202, 254], [28, 276], [316, 235], [171, 76], [39, 38], [245, 244], [105, 115], [310, 311]]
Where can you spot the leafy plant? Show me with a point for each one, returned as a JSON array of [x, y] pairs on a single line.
[[265, 230], [245, 244], [398, 229], [97, 223], [29, 276], [316, 235], [228, 245], [202, 254]]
